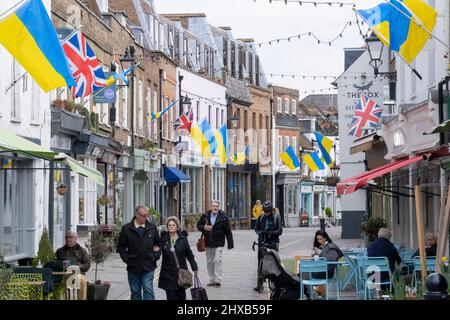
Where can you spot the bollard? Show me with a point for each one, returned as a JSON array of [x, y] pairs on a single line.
[[436, 285]]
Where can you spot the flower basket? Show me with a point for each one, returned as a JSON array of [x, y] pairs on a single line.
[[61, 189], [332, 180]]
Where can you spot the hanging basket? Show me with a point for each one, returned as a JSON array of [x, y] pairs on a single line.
[[332, 180], [61, 189]]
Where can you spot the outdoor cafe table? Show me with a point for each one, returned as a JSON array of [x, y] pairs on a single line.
[[65, 275], [352, 261]]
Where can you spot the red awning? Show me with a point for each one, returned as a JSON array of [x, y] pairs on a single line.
[[357, 182]]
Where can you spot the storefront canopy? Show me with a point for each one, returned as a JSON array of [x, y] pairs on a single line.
[[349, 186], [13, 143], [443, 127], [84, 170], [173, 175]]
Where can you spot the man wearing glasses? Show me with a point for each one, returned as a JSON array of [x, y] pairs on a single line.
[[139, 248]]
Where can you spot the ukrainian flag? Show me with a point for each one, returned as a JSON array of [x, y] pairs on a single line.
[[222, 144], [203, 134], [29, 36], [325, 146], [313, 161], [396, 24], [290, 159]]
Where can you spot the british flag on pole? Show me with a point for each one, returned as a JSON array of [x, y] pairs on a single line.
[[367, 115], [84, 65], [184, 122]]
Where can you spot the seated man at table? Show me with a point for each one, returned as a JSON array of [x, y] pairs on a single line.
[[383, 247], [76, 255]]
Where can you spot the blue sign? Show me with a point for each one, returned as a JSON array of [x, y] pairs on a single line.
[[108, 94]]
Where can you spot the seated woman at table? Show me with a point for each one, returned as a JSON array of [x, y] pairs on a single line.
[[324, 247], [430, 245]]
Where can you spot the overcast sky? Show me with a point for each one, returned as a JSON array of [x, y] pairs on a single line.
[[265, 21]]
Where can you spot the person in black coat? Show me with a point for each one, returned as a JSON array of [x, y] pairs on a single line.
[[430, 245], [383, 247], [216, 227], [174, 241], [139, 247]]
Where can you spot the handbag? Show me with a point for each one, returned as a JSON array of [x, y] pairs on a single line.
[[201, 243], [198, 292], [184, 276]]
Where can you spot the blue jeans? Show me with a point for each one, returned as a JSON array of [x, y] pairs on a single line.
[[139, 282]]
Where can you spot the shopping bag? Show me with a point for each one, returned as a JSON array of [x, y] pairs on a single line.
[[198, 292]]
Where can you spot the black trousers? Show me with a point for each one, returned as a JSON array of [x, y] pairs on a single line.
[[178, 294]]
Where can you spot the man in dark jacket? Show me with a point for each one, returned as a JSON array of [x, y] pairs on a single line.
[[383, 247], [215, 225], [139, 248], [73, 253], [268, 228]]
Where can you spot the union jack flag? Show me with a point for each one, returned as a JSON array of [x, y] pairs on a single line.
[[184, 122], [367, 115], [84, 65]]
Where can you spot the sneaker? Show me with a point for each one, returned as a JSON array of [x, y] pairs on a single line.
[[257, 289], [217, 284], [211, 283]]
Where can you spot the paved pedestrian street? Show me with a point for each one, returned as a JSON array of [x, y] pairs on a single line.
[[239, 265]]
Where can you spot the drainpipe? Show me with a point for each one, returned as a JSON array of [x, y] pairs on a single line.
[[442, 139]]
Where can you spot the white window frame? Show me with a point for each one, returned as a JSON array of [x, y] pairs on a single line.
[[294, 144], [279, 104], [155, 109], [141, 108], [280, 148], [286, 105], [294, 106], [124, 101], [88, 189]]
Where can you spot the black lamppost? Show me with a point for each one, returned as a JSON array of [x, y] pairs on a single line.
[[127, 62], [375, 48], [234, 120]]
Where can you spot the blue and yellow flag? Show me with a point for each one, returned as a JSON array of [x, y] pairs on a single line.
[[203, 134], [240, 157], [222, 144], [313, 162], [396, 24], [325, 146], [29, 36], [290, 159]]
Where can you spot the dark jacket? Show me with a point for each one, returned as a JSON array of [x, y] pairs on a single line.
[[168, 277], [430, 251], [77, 256], [269, 228], [331, 252], [136, 251], [382, 247], [221, 229]]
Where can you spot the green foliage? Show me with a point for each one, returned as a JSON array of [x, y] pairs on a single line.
[[190, 221], [156, 216], [6, 272], [328, 212], [445, 271], [104, 201], [45, 252], [371, 225], [398, 285], [94, 121], [87, 118], [99, 248]]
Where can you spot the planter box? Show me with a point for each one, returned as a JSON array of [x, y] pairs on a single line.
[[97, 291]]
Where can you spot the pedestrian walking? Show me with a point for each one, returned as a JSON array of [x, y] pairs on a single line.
[[139, 247], [216, 226], [174, 242]]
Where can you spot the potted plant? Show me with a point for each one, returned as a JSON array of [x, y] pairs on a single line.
[[61, 189], [104, 201], [332, 180], [370, 227], [99, 249], [45, 253], [6, 272], [155, 216]]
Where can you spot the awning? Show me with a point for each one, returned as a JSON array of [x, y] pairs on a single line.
[[365, 143], [80, 168], [173, 175], [13, 143], [350, 185]]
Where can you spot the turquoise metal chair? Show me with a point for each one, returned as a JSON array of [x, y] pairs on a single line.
[[310, 267], [369, 267], [430, 267]]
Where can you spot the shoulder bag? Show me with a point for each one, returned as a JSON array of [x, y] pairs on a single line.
[[184, 276]]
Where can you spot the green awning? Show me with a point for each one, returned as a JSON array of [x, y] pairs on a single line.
[[13, 143], [443, 127], [78, 167]]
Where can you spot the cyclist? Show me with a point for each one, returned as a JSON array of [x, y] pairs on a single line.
[[268, 228]]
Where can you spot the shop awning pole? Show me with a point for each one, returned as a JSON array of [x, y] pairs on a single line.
[[419, 220], [444, 223]]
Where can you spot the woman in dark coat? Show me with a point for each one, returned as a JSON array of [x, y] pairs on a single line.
[[174, 240]]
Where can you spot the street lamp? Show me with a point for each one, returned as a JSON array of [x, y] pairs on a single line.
[[127, 62], [234, 121], [375, 48]]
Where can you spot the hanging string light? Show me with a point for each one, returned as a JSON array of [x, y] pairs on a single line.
[[315, 3]]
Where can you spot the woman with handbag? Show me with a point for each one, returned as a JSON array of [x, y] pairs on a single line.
[[174, 277]]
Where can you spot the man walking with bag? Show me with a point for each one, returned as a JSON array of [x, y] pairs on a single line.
[[139, 247], [215, 225]]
